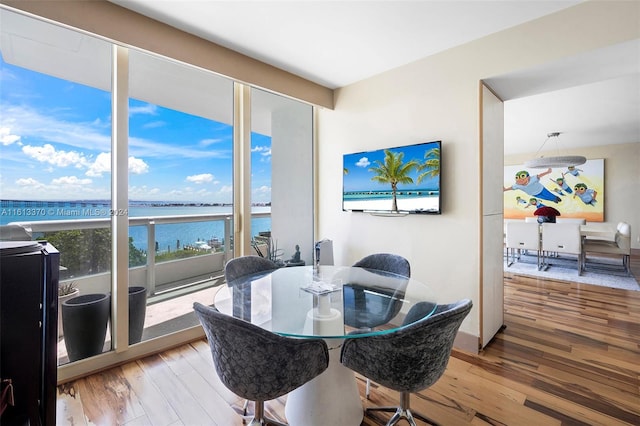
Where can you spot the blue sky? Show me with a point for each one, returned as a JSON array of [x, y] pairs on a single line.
[[55, 144], [359, 176]]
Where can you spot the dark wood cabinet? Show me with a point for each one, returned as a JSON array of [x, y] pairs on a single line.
[[29, 274]]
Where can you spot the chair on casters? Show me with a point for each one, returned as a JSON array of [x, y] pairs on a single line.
[[256, 364], [387, 262], [243, 266], [411, 358]]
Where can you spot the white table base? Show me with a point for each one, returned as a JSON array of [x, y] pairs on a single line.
[[330, 399]]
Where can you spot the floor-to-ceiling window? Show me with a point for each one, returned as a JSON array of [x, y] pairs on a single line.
[[105, 135]]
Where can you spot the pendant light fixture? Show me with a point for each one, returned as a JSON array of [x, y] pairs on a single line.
[[554, 161]]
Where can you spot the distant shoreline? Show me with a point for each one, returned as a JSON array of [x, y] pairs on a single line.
[[415, 204], [133, 203]]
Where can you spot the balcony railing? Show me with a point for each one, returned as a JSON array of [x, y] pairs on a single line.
[[157, 277]]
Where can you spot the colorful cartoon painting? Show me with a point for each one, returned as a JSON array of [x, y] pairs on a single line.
[[576, 192]]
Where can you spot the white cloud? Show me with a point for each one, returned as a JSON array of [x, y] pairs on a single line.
[[32, 124], [102, 164], [48, 154], [226, 189], [45, 126], [363, 162], [150, 149], [60, 188], [6, 138], [207, 142], [154, 124], [199, 179], [137, 166], [265, 151], [263, 190], [142, 191], [148, 109], [28, 182], [70, 180]]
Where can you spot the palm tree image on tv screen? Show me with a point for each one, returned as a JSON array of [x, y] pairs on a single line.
[[403, 179]]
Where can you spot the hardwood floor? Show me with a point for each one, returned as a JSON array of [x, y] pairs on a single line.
[[569, 355]]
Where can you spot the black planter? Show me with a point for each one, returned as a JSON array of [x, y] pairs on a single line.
[[137, 312], [85, 319]]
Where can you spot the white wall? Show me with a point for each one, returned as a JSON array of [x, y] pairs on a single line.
[[621, 179], [437, 98]]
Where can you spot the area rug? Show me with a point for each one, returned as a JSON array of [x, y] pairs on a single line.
[[601, 271]]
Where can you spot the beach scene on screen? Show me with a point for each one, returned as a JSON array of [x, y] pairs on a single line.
[[401, 179]]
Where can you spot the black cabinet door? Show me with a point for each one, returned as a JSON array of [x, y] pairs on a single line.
[[28, 330]]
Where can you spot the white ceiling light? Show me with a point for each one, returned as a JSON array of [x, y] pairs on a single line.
[[555, 161]]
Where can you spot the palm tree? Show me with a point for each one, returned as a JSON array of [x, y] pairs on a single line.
[[431, 164], [393, 171]]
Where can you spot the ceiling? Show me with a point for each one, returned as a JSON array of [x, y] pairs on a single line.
[[336, 43], [592, 99]]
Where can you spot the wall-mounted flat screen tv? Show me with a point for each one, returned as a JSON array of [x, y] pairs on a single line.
[[403, 179]]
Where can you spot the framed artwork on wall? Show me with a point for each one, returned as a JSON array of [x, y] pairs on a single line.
[[576, 192]]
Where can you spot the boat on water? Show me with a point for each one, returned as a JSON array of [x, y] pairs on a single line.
[[202, 245]]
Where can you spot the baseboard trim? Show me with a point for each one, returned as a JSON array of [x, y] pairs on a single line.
[[467, 342]]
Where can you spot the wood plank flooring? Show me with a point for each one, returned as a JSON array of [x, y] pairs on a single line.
[[569, 355]]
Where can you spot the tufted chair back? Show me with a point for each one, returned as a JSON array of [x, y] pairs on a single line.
[[246, 265], [411, 358], [257, 364], [386, 262]]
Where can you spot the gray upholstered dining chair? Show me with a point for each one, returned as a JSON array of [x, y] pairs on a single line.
[[387, 262], [256, 364], [246, 265], [411, 358], [243, 266]]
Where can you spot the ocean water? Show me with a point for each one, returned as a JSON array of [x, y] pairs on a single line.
[[168, 236]]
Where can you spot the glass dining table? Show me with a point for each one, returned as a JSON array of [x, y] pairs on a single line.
[[329, 302]]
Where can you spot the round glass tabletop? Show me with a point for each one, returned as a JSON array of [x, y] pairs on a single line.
[[326, 301]]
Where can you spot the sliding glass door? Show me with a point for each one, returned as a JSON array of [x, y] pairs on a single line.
[[180, 178]]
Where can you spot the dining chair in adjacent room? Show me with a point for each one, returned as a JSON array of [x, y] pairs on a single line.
[[578, 220], [256, 364], [621, 246], [411, 358], [239, 267], [561, 238], [387, 262], [522, 236]]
